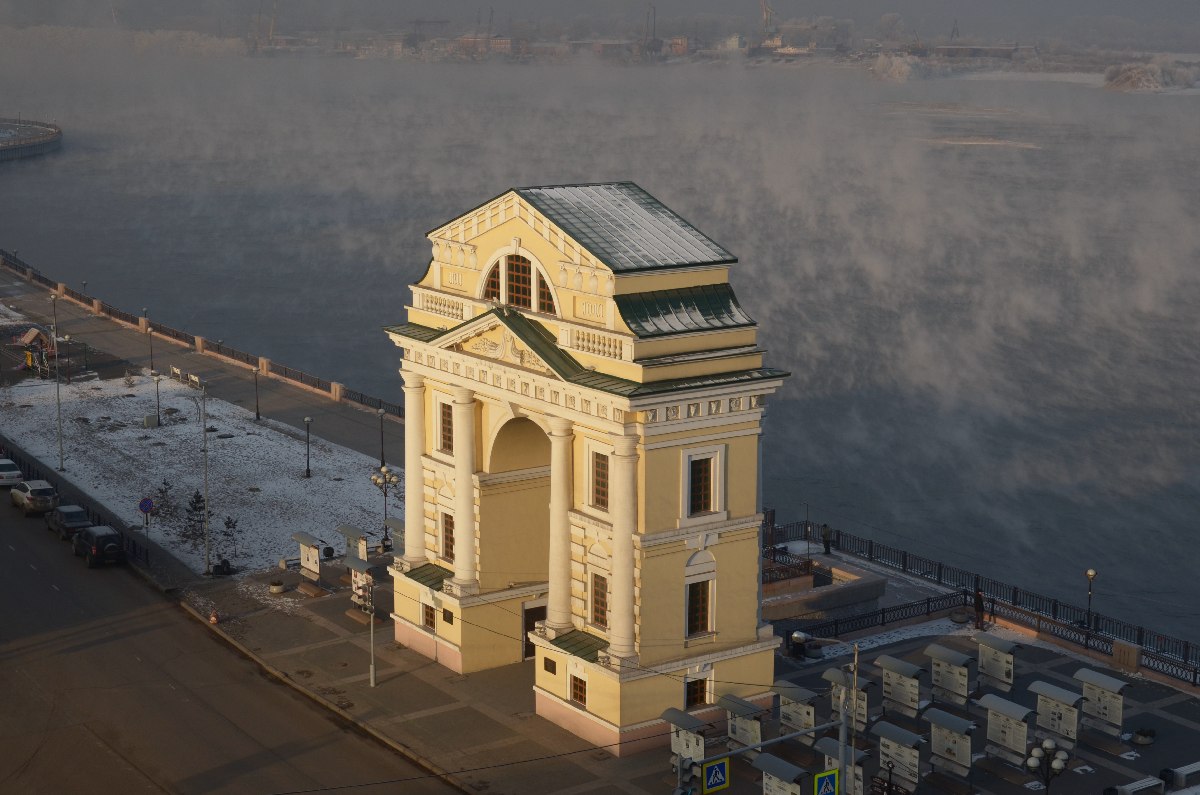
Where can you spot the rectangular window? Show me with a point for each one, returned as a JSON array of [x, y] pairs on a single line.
[[700, 486], [695, 693], [549, 666], [520, 282], [448, 537], [600, 600], [697, 607], [545, 298], [600, 481], [427, 616], [579, 691], [447, 429]]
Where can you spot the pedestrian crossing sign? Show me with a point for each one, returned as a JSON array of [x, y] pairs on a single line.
[[716, 775], [826, 783]]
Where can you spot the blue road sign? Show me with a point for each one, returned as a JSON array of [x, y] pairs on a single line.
[[826, 783], [716, 775], [146, 505]]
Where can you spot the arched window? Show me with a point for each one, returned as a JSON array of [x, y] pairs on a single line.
[[521, 283], [491, 289]]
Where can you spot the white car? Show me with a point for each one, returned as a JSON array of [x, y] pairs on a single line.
[[10, 473], [33, 496]]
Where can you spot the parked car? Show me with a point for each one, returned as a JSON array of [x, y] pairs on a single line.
[[34, 496], [67, 520], [10, 473], [99, 544]]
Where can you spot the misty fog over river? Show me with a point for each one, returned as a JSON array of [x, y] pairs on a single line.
[[986, 290]]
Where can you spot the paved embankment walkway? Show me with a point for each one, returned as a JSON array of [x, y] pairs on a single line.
[[347, 424]]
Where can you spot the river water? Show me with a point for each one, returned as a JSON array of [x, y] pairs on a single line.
[[986, 291]]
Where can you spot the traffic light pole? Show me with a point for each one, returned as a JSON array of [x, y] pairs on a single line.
[[688, 763]]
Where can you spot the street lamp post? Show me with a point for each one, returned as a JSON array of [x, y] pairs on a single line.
[[257, 415], [85, 292], [369, 607], [204, 430], [57, 383], [157, 402], [1091, 576], [67, 339], [891, 766], [1046, 761], [307, 458], [382, 463], [384, 478], [149, 335]]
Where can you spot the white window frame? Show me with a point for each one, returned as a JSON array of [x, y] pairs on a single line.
[[441, 522], [440, 400], [536, 271], [701, 567], [591, 446], [709, 694], [719, 513], [603, 567]]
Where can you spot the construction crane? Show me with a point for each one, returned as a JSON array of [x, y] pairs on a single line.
[[768, 17]]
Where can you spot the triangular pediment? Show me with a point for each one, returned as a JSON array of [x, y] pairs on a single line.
[[510, 339]]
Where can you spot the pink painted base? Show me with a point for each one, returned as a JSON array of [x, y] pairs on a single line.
[[427, 644]]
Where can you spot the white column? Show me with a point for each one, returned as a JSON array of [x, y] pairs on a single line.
[[465, 579], [414, 476], [622, 508], [558, 611]]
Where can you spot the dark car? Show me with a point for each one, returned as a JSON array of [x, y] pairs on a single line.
[[66, 520], [99, 544]]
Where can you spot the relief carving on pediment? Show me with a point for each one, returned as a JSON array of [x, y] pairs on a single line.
[[505, 349]]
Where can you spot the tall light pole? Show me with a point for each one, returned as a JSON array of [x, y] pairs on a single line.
[[157, 402], [57, 382], [149, 336], [85, 292], [382, 463], [204, 431], [1091, 575], [369, 607], [67, 339], [1046, 761], [257, 415], [382, 479], [307, 458]]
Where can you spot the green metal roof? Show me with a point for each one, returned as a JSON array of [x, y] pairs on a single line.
[[430, 575], [624, 226], [415, 331], [543, 343], [708, 307], [579, 644]]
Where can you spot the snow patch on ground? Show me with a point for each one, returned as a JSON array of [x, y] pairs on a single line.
[[255, 469]]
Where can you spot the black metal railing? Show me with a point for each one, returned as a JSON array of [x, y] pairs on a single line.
[[113, 312], [1163, 653], [19, 266], [33, 469], [232, 353]]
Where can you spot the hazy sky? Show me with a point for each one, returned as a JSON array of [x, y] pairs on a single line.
[[1149, 24]]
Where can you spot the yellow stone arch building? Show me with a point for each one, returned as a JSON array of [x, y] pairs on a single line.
[[583, 400]]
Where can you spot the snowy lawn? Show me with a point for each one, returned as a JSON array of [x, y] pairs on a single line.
[[255, 469]]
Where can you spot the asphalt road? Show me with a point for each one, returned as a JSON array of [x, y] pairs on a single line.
[[109, 687]]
